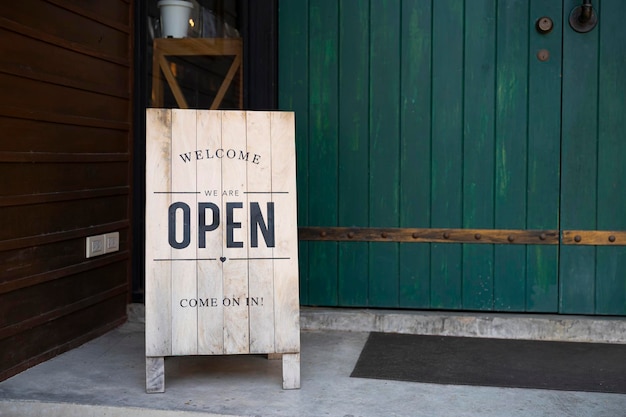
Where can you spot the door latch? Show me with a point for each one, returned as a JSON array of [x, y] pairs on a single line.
[[583, 18]]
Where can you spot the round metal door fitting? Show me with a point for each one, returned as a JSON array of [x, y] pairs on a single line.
[[544, 25], [583, 18], [543, 55]]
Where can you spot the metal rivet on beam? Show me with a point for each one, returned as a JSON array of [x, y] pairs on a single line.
[[511, 238], [323, 233], [446, 235], [577, 238], [477, 236], [350, 235], [611, 238], [543, 236], [383, 235]]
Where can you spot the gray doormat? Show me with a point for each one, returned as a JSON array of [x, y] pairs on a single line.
[[564, 366]]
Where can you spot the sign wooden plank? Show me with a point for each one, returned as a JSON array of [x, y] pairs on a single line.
[[235, 235], [210, 280], [221, 251], [261, 264], [287, 304], [181, 212], [158, 271]]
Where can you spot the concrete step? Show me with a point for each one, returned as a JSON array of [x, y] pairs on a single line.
[[564, 328], [553, 327], [106, 377], [48, 409]]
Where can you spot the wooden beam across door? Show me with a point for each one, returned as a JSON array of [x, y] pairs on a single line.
[[452, 235]]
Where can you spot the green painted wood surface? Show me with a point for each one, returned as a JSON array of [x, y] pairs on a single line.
[[543, 183], [593, 279], [447, 149], [323, 146], [611, 261], [384, 144], [415, 147], [439, 114], [479, 151], [354, 79], [294, 69], [511, 149], [579, 164]]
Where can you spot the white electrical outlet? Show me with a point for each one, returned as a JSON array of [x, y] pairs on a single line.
[[112, 242], [95, 246]]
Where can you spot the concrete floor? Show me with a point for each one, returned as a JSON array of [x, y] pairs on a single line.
[[106, 377]]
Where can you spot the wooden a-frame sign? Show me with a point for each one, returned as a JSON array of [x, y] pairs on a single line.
[[221, 238]]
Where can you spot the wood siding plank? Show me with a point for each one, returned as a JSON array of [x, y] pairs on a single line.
[[544, 128], [353, 174], [478, 150], [611, 262], [447, 149], [579, 174], [61, 216], [511, 150], [41, 136], [74, 28], [50, 339], [323, 147], [55, 99], [60, 177], [415, 148], [30, 57], [384, 172], [293, 80]]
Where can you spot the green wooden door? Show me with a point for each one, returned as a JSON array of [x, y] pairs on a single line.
[[441, 120], [593, 186]]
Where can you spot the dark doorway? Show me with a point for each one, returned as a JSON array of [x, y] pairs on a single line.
[[255, 23]]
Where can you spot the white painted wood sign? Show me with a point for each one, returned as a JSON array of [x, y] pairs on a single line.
[[221, 238]]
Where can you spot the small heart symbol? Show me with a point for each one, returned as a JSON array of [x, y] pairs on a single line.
[[223, 259]]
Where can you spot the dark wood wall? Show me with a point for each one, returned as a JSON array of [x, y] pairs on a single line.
[[65, 173]]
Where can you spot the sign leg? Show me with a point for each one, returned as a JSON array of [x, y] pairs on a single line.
[[155, 374], [291, 371]]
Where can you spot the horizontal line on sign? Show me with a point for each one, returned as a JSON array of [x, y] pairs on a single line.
[[185, 259], [177, 192], [266, 192], [254, 259]]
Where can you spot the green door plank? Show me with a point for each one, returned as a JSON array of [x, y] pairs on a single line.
[[611, 261], [447, 149], [353, 148], [415, 149], [478, 150], [579, 164], [384, 148], [323, 147], [544, 142], [511, 151], [293, 84]]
